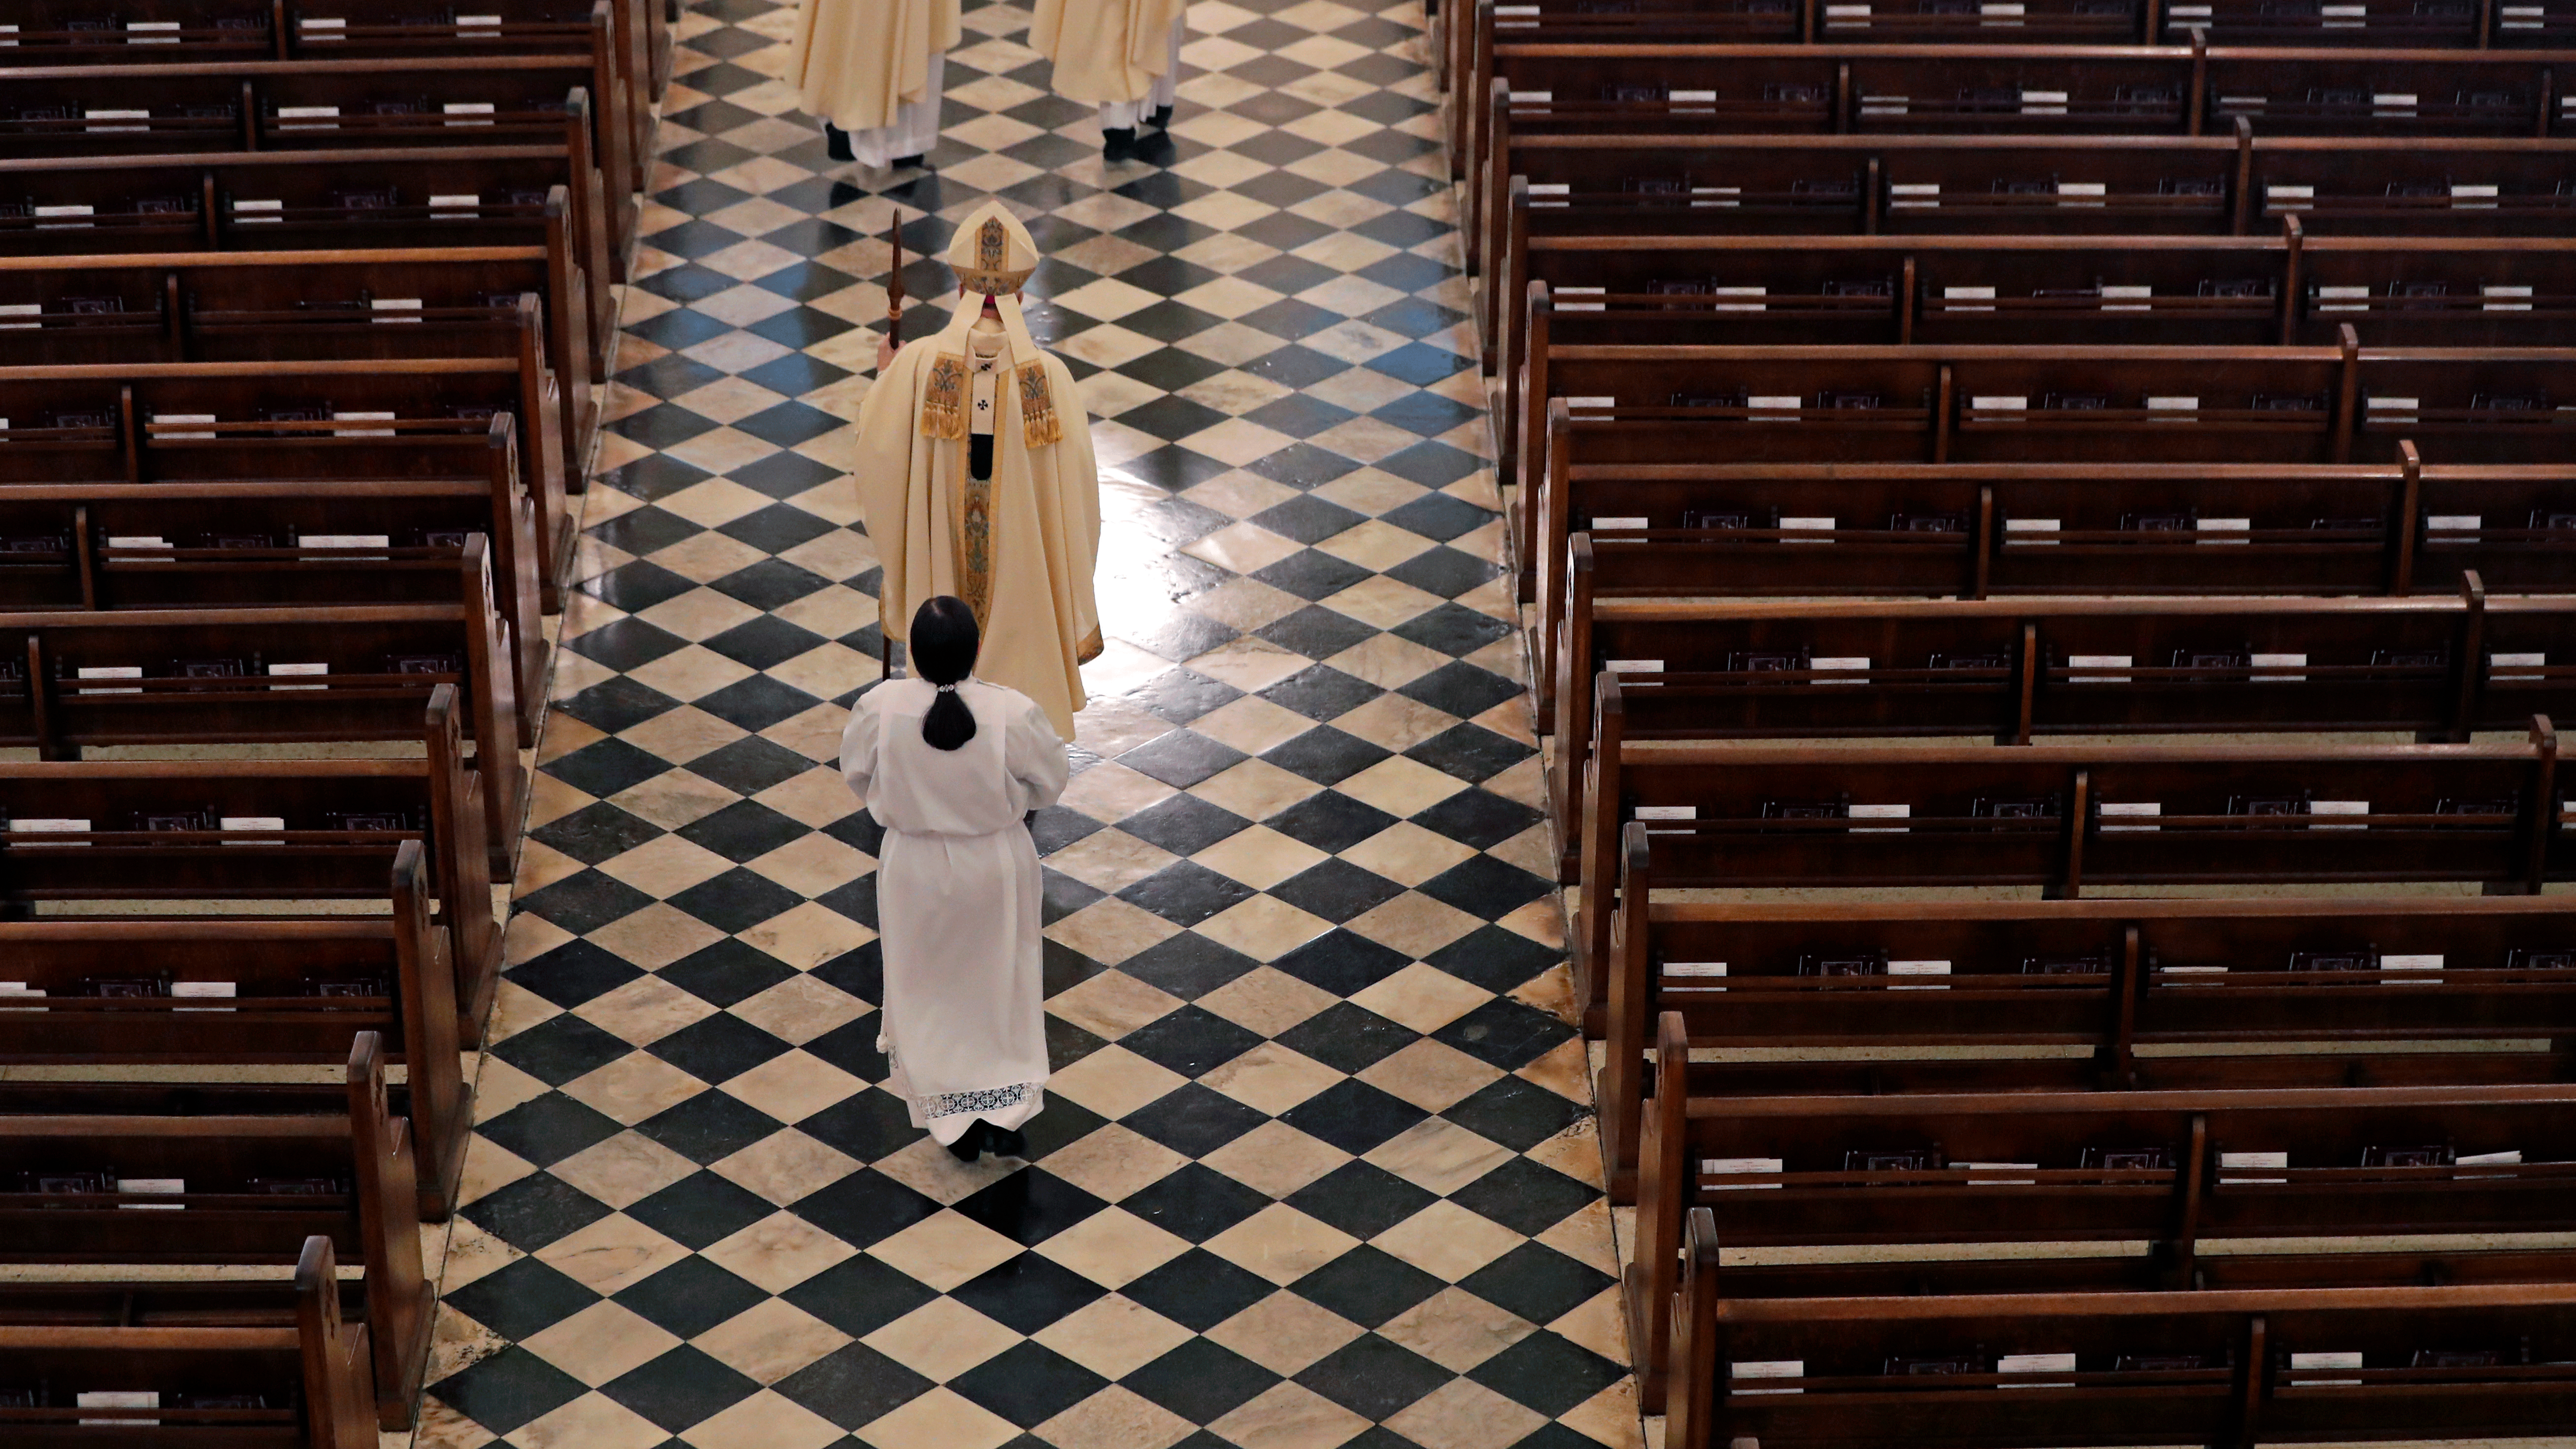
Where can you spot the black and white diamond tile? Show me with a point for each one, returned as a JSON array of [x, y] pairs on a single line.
[[1317, 1167]]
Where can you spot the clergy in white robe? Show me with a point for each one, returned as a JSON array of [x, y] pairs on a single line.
[[964, 1025], [1123, 56], [871, 69], [976, 478]]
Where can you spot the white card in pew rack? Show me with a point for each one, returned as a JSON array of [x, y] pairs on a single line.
[[2345, 1359], [1721, 1166], [1880, 812], [111, 671], [2036, 1363], [2339, 807], [1918, 968], [1778, 1368], [1634, 666], [2129, 811], [118, 1399], [2255, 1161], [275, 670], [2097, 662], [2278, 661]]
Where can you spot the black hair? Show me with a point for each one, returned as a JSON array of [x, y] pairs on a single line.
[[943, 647]]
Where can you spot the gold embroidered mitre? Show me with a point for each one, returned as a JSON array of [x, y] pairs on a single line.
[[992, 252]]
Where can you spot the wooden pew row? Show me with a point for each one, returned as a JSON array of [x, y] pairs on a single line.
[[2111, 976], [1468, 37], [229, 1363], [208, 676], [1705, 669], [293, 991], [2062, 817], [2043, 528], [2216, 1366], [320, 201], [305, 307], [2165, 1166], [56, 552], [625, 40], [1708, 1289], [1967, 403], [2010, 186], [1519, 90], [254, 1187], [2287, 289], [149, 425], [300, 830], [301, 105]]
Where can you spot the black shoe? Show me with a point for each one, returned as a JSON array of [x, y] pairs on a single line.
[[1117, 145], [1161, 120], [1006, 1142], [836, 143], [970, 1143], [1154, 148], [908, 163]]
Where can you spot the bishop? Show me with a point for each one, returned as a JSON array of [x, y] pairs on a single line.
[[976, 478]]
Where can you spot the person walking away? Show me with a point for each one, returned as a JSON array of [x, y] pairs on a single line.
[[1123, 56], [975, 475], [870, 70], [951, 766]]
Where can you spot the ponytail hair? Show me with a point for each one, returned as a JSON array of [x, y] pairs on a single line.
[[943, 647]]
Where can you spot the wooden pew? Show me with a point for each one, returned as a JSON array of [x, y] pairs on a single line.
[[2007, 669], [1963, 403], [305, 306], [319, 201], [230, 1363], [155, 832], [2107, 976], [2042, 528], [1527, 89], [59, 555], [610, 38], [1706, 1284], [206, 676], [254, 1187], [300, 991], [2287, 289], [143, 425], [270, 105], [2060, 817], [2215, 1366], [1593, 185]]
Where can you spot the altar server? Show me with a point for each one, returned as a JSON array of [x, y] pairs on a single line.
[[950, 766]]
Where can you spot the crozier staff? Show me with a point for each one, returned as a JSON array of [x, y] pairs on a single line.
[[950, 766]]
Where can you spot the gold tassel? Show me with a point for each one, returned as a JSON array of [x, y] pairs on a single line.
[[1039, 425], [943, 398]]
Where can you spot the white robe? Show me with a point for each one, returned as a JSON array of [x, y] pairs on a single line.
[[914, 132], [964, 1025]]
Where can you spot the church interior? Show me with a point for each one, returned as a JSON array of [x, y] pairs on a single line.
[[1701, 809]]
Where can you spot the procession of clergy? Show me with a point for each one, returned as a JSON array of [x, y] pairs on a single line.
[[977, 485], [871, 70]]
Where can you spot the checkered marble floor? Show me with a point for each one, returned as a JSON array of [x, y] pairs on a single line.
[[1317, 1167]]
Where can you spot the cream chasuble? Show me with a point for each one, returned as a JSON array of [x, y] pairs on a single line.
[[1019, 546], [856, 62], [1106, 51]]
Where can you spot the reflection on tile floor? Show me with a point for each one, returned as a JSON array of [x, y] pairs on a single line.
[[1317, 1167]]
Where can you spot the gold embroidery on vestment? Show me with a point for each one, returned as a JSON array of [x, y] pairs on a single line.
[[1039, 426], [977, 543], [943, 398]]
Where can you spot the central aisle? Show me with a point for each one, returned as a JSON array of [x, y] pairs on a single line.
[[1317, 1167]]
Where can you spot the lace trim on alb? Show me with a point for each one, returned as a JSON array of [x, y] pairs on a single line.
[[981, 1100]]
